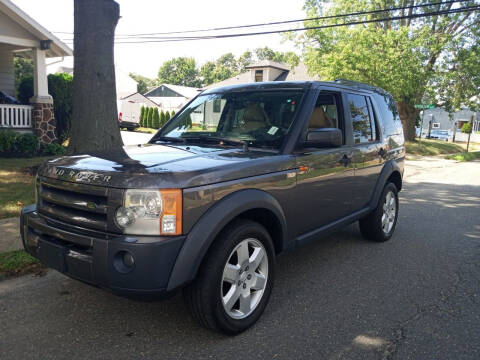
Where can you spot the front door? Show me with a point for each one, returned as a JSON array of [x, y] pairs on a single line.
[[325, 175]]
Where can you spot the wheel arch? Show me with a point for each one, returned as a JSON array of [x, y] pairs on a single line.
[[253, 204], [391, 172]]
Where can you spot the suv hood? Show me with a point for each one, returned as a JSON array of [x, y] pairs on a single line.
[[164, 166]]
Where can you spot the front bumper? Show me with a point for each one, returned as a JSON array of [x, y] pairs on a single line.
[[98, 260]]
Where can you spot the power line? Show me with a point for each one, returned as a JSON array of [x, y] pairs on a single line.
[[127, 36], [223, 36]]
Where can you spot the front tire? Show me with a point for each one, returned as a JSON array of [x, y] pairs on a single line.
[[380, 224], [235, 280]]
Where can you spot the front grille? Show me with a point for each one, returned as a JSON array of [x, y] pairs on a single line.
[[81, 205]]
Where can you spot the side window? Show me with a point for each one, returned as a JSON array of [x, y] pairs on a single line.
[[361, 119], [325, 113]]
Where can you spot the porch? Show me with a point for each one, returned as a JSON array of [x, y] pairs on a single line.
[[21, 36]]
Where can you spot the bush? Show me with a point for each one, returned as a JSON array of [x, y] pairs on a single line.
[[150, 117], [162, 118], [53, 149], [142, 114], [173, 113], [466, 128], [26, 144], [156, 119], [167, 117], [7, 140], [60, 86]]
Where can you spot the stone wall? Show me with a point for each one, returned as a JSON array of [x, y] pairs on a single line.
[[44, 123]]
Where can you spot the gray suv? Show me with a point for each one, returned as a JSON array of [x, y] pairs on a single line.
[[239, 176]]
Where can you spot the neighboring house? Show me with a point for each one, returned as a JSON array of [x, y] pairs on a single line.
[[439, 119], [267, 70], [139, 98], [171, 97], [125, 85], [20, 35]]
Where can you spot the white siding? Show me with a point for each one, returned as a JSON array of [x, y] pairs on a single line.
[[7, 75]]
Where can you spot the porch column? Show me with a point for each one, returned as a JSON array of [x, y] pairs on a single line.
[[43, 116]]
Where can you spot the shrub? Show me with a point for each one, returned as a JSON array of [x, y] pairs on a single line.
[[7, 140], [167, 116], [156, 119], [142, 113], [173, 113], [466, 128], [26, 144], [150, 117], [53, 149], [162, 118]]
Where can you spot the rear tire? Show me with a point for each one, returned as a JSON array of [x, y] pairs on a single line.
[[380, 224], [235, 280]]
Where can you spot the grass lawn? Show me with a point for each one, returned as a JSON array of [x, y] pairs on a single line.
[[470, 156], [16, 184], [19, 262], [437, 147]]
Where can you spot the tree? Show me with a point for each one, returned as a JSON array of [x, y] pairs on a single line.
[[150, 117], [143, 83], [94, 122], [167, 116], [405, 57], [179, 71], [142, 116], [156, 119], [23, 69], [162, 118], [244, 60], [466, 128]]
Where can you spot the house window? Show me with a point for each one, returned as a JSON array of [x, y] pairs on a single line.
[[258, 75], [436, 125]]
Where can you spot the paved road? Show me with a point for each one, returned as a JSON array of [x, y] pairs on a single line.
[[415, 297], [134, 138]]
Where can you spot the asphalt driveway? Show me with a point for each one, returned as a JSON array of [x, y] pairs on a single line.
[[414, 297]]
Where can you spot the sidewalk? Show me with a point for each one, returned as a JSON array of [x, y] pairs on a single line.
[[10, 235]]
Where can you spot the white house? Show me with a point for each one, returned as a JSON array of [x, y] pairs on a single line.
[[20, 35], [171, 97], [268, 70]]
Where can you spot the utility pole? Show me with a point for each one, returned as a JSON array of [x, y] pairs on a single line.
[[470, 133]]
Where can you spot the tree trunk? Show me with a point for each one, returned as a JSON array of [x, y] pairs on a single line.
[[408, 115], [94, 121]]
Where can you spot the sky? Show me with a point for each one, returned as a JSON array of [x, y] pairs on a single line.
[[147, 16]]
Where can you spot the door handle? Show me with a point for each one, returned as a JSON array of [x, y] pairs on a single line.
[[345, 160]]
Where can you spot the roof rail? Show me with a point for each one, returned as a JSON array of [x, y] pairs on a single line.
[[359, 85]]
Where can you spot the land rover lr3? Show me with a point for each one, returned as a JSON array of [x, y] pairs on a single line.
[[240, 175]]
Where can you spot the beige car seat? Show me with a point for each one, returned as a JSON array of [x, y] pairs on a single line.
[[320, 119], [254, 117]]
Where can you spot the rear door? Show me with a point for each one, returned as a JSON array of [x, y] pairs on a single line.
[[370, 152]]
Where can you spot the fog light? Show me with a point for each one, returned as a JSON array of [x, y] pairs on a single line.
[[128, 259]]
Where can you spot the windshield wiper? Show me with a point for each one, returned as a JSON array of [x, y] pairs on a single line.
[[169, 139], [221, 140]]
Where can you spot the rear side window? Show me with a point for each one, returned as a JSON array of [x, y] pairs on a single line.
[[363, 131]]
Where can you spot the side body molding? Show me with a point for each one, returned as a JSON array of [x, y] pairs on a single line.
[[212, 222]]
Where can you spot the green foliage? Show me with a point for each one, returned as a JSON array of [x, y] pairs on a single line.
[[173, 113], [414, 59], [23, 69], [162, 118], [53, 149], [150, 118], [466, 128], [179, 71], [289, 57], [26, 144], [60, 86], [7, 140], [142, 114], [156, 119], [143, 83], [167, 116], [25, 89]]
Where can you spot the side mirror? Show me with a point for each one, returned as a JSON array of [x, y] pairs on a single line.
[[324, 137]]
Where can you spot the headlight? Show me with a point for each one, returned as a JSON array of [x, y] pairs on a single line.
[[151, 212]]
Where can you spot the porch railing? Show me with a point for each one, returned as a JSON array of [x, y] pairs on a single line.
[[15, 116]]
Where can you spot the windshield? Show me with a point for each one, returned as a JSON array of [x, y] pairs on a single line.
[[257, 118]]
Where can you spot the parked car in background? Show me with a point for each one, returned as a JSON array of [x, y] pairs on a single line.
[[439, 135], [208, 209], [128, 114]]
